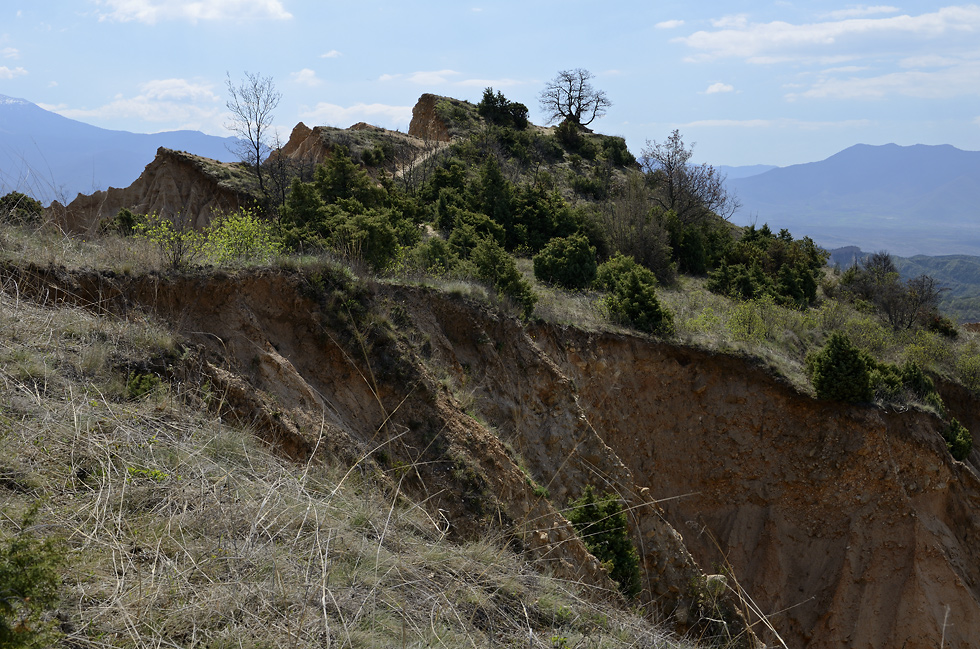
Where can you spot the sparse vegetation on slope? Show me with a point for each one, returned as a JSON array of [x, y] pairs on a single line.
[[178, 528]]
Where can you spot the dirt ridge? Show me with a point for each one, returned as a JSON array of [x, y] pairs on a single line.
[[314, 378], [848, 525]]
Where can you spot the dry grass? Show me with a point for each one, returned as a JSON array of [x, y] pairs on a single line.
[[182, 531]]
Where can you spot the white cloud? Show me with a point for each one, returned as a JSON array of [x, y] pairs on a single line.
[[377, 114], [424, 78], [669, 24], [737, 21], [10, 73], [929, 61], [779, 123], [10, 53], [432, 78], [860, 11], [171, 103], [306, 77], [151, 11], [178, 89], [332, 54], [780, 41], [955, 81], [719, 87], [845, 68]]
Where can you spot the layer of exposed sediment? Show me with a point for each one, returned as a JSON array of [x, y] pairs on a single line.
[[849, 526], [174, 184]]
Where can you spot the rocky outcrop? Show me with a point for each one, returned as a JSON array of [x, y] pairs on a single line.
[[305, 144], [174, 183], [426, 123], [194, 188]]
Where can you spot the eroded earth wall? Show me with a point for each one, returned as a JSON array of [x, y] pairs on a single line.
[[849, 526]]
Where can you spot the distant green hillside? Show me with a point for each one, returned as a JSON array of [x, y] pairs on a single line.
[[959, 275]]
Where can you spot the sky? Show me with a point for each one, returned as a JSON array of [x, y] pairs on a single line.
[[745, 82]]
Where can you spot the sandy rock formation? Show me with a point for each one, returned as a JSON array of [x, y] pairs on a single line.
[[179, 183], [305, 144], [426, 123], [173, 183]]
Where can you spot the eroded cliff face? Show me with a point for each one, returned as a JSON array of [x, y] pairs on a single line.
[[303, 360], [848, 526], [426, 123], [173, 183]]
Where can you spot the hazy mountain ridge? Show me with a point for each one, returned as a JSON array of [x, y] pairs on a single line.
[[743, 171], [910, 200], [53, 157]]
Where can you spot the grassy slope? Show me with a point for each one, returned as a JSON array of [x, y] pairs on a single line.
[[180, 530]]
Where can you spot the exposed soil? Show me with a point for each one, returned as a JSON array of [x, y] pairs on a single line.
[[847, 525]]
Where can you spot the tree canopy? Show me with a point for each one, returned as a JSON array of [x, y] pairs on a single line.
[[569, 97]]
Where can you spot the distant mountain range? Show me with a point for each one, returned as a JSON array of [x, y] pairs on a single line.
[[52, 157], [908, 200]]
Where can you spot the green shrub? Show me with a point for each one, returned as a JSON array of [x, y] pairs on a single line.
[[497, 268], [746, 323], [139, 386], [29, 584], [958, 440], [566, 261], [370, 237], [916, 380], [633, 302], [609, 272], [595, 186], [614, 149], [434, 256], [241, 237], [123, 223], [839, 372], [20, 209], [178, 241], [601, 523], [942, 325], [496, 109]]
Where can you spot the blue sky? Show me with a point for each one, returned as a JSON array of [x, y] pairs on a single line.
[[750, 82]]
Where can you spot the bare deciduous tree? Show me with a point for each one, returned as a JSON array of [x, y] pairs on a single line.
[[570, 96], [251, 106], [877, 281], [634, 231], [690, 191]]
